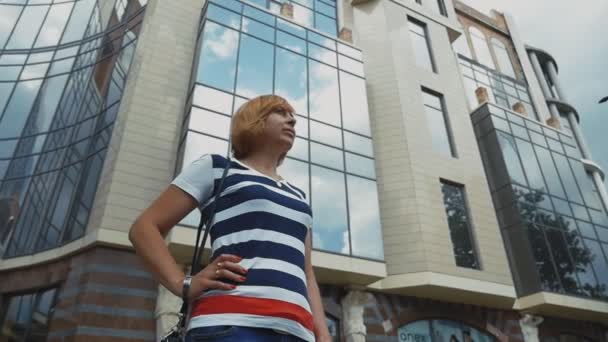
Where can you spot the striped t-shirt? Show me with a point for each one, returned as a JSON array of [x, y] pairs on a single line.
[[265, 222]]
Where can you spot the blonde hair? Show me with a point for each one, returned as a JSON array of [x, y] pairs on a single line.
[[249, 121]]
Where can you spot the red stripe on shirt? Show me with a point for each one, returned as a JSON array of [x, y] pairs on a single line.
[[255, 306]]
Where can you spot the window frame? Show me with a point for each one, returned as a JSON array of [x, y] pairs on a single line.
[[446, 120], [470, 224], [427, 39]]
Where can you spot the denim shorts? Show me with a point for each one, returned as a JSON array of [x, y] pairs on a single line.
[[231, 333]]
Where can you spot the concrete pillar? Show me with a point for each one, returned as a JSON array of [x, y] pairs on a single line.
[[482, 95], [543, 83], [346, 35], [529, 327], [287, 10], [519, 108], [352, 315], [578, 135]]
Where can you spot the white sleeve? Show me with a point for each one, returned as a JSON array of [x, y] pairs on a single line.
[[197, 179]]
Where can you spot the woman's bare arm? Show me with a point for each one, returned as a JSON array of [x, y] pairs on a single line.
[[147, 236]]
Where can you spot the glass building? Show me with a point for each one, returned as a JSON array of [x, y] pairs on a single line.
[[245, 52], [62, 74], [453, 196]]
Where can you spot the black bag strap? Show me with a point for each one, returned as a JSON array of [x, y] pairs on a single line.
[[198, 248]]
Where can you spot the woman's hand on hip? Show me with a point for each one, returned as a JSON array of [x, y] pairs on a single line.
[[223, 267]]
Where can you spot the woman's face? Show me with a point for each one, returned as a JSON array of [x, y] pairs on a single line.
[[280, 129]]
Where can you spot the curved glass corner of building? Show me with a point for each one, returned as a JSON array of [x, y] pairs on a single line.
[[63, 67], [243, 52]]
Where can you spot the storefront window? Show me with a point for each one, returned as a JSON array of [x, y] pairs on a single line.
[[441, 330]]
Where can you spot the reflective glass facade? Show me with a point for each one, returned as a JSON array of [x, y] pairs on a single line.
[[502, 90], [318, 14], [62, 73], [441, 330], [26, 317], [459, 221], [245, 52], [547, 204]]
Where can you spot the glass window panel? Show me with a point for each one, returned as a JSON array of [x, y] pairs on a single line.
[[555, 145], [301, 126], [255, 67], [327, 156], [470, 87], [275, 7], [34, 71], [420, 44], [291, 80], [565, 267], [360, 165], [585, 183], [439, 7], [291, 28], [18, 109], [325, 8], [580, 212], [261, 3], [27, 28], [290, 42], [9, 15], [53, 25], [199, 144], [457, 213], [415, 332], [212, 99], [461, 46], [325, 24], [567, 178], [322, 54], [224, 16], [325, 134], [542, 256], [437, 124], [78, 20], [350, 51], [322, 40], [586, 229], [299, 149], [562, 206], [501, 124], [599, 217], [324, 93], [10, 73], [238, 102], [329, 230], [259, 30], [572, 151], [217, 60], [302, 15], [538, 138], [208, 122], [520, 132], [359, 144], [598, 260], [366, 233], [296, 173], [504, 61], [351, 65], [602, 233], [533, 173], [509, 152], [307, 3], [259, 15], [481, 48], [549, 171], [355, 112]]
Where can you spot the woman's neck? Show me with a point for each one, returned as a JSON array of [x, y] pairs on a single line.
[[263, 163]]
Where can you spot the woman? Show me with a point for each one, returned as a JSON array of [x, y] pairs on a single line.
[[259, 285]]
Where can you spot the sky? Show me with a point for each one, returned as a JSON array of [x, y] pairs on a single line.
[[576, 35]]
